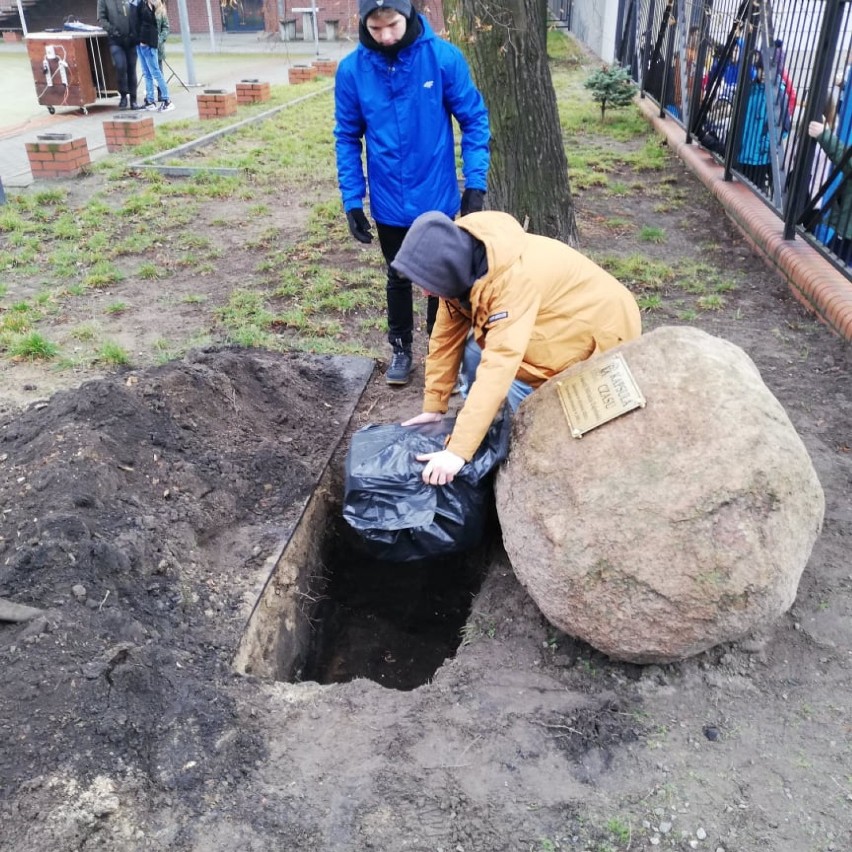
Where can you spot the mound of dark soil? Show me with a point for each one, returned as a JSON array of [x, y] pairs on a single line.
[[137, 514]]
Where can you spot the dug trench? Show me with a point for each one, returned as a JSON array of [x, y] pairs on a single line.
[[204, 673], [331, 612], [179, 530]]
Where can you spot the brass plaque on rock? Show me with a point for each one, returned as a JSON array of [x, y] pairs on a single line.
[[603, 390]]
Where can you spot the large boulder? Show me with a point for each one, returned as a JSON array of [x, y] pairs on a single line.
[[674, 527]]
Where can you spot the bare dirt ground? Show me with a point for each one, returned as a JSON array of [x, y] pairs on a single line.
[[140, 509]]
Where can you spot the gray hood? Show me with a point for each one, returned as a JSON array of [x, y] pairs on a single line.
[[438, 256]]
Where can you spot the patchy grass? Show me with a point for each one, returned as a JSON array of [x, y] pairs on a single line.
[[33, 346], [113, 355], [150, 271], [639, 272], [652, 234], [102, 274], [222, 251]]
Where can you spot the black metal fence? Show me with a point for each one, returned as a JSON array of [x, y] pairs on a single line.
[[559, 12], [766, 86]]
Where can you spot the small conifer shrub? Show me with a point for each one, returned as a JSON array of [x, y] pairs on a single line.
[[612, 87]]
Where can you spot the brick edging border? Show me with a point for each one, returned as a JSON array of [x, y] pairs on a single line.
[[813, 280]]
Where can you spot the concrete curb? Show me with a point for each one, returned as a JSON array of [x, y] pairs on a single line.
[[813, 280]]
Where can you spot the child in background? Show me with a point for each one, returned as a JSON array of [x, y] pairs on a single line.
[[839, 216]]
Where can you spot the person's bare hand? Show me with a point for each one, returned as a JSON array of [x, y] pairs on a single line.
[[441, 467], [425, 417], [815, 128]]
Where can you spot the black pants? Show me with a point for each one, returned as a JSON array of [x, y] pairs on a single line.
[[399, 295], [124, 60]]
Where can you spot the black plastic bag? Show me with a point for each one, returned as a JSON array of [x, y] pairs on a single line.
[[398, 517]]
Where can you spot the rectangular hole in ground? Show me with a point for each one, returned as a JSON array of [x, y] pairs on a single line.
[[330, 613], [390, 622]]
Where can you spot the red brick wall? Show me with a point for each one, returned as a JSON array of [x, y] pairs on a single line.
[[346, 12], [343, 11], [52, 14], [196, 11]]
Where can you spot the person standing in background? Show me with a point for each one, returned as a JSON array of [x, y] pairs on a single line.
[[839, 206], [754, 158], [119, 18], [163, 30], [150, 12], [398, 92]]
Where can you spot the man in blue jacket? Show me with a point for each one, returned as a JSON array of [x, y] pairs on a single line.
[[398, 92]]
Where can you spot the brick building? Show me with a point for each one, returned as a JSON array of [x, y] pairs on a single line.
[[338, 17], [335, 17]]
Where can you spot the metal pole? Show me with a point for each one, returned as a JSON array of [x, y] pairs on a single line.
[[316, 25], [187, 44], [670, 22], [212, 28], [777, 107], [645, 51], [21, 16]]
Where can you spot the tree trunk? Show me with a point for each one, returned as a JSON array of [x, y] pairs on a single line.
[[505, 42]]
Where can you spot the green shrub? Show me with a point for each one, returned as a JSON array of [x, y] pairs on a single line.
[[612, 87]]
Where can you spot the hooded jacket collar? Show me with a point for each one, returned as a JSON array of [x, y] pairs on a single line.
[[500, 234], [413, 29], [383, 58], [438, 255]]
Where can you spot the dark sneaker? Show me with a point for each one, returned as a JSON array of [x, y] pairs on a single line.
[[166, 106], [134, 105], [122, 103], [400, 368]]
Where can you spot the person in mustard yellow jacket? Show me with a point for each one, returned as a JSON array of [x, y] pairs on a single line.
[[523, 306]]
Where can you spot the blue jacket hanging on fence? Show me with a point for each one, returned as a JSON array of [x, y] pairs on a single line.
[[754, 142], [403, 109]]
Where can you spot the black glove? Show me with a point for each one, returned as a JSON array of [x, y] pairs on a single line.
[[359, 225], [473, 200]]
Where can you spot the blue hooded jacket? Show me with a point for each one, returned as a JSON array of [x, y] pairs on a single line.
[[754, 144], [403, 108]]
